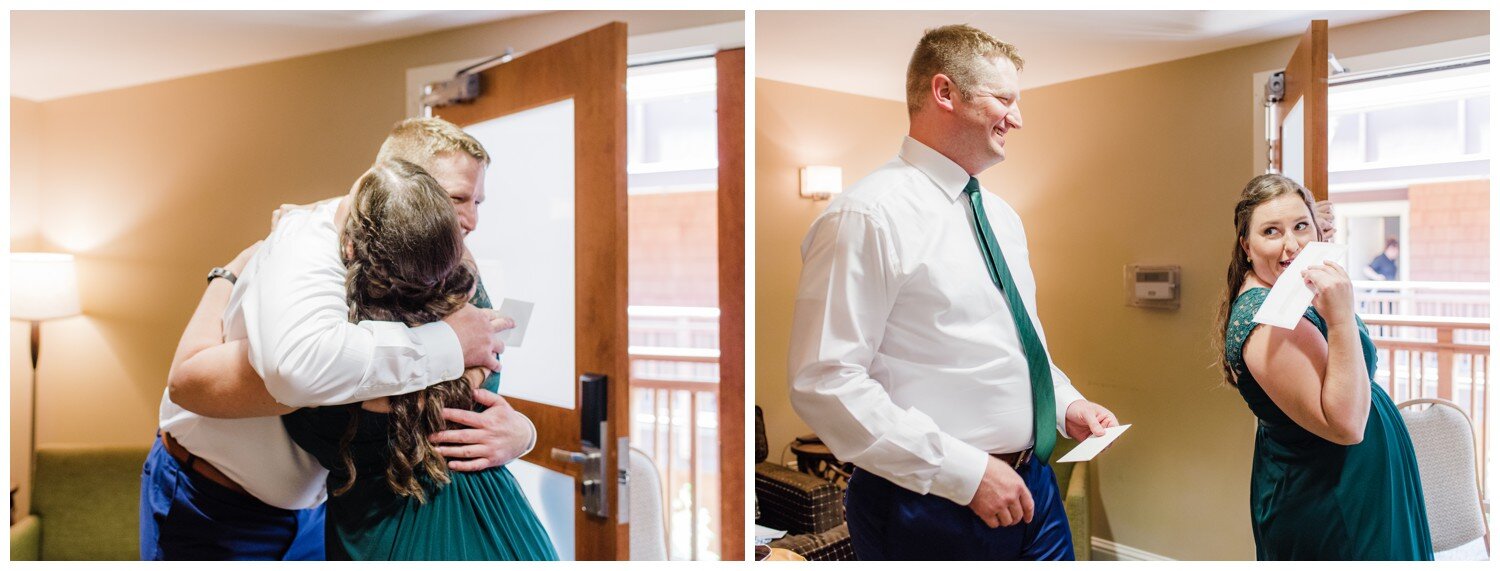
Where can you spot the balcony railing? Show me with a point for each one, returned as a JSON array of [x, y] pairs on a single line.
[[674, 383], [1436, 357], [1433, 299]]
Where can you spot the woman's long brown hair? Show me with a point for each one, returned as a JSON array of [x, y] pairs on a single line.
[[1258, 191], [405, 263]]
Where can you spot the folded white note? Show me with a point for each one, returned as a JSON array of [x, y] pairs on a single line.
[[764, 535], [1093, 445], [520, 312], [1290, 297]]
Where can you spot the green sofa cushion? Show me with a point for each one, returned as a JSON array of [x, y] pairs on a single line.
[[88, 499], [26, 539]]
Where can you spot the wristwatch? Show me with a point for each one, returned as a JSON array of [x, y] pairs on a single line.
[[220, 272]]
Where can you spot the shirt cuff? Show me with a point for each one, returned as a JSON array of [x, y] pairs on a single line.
[[530, 445], [445, 355], [962, 468], [1066, 396]]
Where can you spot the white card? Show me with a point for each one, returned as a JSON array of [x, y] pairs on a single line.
[[1093, 445], [1290, 296], [520, 312], [764, 535]]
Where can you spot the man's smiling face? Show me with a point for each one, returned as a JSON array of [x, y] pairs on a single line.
[[990, 110]]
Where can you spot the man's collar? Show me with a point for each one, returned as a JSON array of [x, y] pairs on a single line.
[[943, 172]]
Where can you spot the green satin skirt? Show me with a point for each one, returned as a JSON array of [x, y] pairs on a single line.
[[477, 516]]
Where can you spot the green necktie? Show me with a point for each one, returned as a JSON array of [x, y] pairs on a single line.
[[1043, 403]]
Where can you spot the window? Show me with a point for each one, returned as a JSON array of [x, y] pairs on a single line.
[[1409, 120]]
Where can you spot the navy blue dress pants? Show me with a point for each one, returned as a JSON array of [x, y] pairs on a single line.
[[185, 516], [888, 522]]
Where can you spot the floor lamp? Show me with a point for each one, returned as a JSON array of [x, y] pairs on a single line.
[[42, 287]]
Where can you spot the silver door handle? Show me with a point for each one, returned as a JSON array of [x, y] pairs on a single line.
[[591, 467], [572, 457]]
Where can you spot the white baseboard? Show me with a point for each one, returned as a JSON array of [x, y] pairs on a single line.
[[1106, 550]]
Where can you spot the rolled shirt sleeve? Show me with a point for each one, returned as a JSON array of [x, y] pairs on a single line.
[[1064, 395], [301, 341], [846, 293], [530, 445]]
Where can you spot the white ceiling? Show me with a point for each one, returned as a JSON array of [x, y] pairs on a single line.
[[63, 53], [866, 52]]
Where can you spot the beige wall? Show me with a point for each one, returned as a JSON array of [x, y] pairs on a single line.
[[1139, 166], [25, 172], [152, 185]]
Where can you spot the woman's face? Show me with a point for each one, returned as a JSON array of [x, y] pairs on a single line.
[[1278, 230]]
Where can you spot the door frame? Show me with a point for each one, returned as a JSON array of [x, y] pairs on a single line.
[[730, 87], [707, 41], [1307, 82]]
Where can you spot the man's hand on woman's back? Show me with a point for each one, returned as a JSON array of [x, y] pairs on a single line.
[[492, 438]]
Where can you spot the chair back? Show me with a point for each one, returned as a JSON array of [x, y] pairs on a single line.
[[648, 524], [1444, 443]]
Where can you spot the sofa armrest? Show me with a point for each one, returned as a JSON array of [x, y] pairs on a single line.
[[26, 539], [831, 545], [1076, 504], [796, 502]]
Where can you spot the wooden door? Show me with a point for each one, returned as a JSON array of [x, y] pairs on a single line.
[[1300, 118], [731, 131], [553, 232]]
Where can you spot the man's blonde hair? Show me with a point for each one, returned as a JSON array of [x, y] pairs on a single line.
[[419, 141], [956, 51]]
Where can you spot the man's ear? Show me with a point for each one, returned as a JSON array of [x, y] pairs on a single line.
[[943, 91]]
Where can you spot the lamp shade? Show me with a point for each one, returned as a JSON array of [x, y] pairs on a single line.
[[43, 286]]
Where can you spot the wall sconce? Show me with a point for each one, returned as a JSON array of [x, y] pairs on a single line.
[[822, 182]]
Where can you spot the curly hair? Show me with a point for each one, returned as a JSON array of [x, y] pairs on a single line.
[[405, 260]]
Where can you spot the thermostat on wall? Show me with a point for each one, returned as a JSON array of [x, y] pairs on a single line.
[[1152, 286]]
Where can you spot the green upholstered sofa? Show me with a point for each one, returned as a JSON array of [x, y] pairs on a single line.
[[85, 507]]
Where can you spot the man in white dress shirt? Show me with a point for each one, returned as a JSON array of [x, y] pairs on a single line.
[[224, 480], [905, 356]]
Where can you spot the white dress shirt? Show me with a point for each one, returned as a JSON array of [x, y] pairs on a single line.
[[290, 303], [904, 356]]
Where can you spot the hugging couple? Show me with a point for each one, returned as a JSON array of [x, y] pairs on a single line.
[[334, 392]]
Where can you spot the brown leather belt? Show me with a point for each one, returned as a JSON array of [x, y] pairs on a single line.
[[1015, 459], [199, 465]]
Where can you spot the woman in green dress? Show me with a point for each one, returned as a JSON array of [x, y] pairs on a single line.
[[392, 496], [1334, 475]]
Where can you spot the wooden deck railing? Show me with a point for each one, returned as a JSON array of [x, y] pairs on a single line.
[[674, 383], [676, 423], [1418, 357]]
